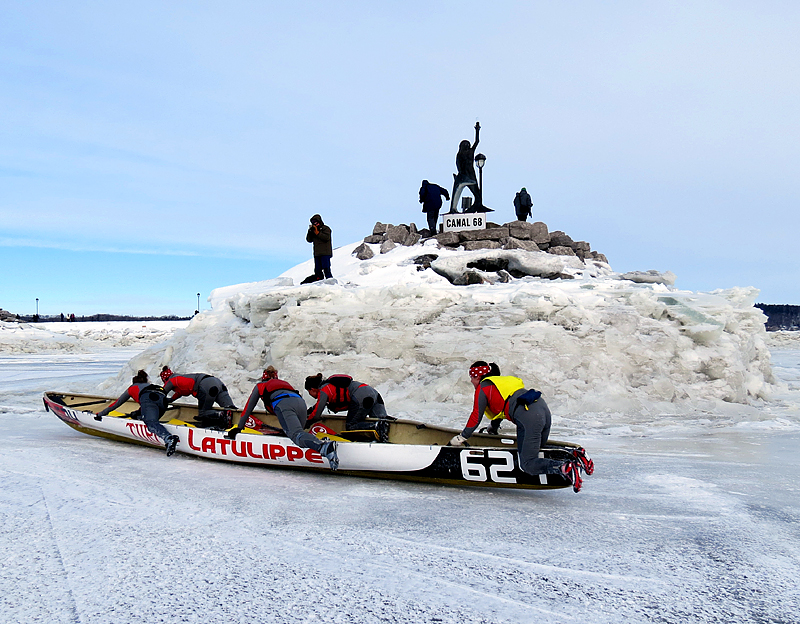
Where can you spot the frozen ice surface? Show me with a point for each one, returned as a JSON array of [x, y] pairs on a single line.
[[675, 526]]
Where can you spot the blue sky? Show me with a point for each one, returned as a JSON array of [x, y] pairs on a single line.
[[152, 151]]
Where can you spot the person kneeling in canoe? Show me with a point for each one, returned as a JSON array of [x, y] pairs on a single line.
[[207, 389], [501, 397], [282, 400], [341, 392], [153, 403]]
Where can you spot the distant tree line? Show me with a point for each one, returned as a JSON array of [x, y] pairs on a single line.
[[781, 316], [50, 318]]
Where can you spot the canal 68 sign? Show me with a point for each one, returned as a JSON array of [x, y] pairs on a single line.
[[458, 222]]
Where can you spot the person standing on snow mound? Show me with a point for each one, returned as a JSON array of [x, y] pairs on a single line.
[[205, 388], [341, 392], [430, 196], [523, 205], [283, 401], [506, 397], [153, 404], [319, 235]]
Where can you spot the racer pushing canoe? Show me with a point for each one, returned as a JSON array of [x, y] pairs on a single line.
[[498, 397], [288, 438]]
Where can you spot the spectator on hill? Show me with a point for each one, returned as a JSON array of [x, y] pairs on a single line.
[[430, 196], [319, 235]]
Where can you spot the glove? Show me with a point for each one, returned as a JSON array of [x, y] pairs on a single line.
[[232, 433], [458, 440]]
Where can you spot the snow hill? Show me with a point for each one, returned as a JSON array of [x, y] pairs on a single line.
[[608, 352]]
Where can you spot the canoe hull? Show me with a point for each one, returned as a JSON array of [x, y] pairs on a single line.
[[493, 465]]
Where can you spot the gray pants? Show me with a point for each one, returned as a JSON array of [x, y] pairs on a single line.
[[209, 391], [291, 413], [533, 429], [153, 405], [365, 402]]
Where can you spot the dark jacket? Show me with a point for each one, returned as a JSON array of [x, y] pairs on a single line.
[[430, 196], [523, 203], [320, 236]]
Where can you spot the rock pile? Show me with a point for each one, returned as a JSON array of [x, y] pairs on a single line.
[[5, 315], [513, 235]]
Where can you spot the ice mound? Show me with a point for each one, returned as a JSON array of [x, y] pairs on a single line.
[[606, 351]]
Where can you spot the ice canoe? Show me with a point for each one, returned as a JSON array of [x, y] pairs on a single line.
[[414, 451]]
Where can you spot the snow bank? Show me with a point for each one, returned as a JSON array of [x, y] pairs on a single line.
[[607, 352], [83, 337]]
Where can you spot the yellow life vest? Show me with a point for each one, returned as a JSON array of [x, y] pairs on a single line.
[[506, 386]]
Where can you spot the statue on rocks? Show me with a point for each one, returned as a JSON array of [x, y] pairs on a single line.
[[465, 164]]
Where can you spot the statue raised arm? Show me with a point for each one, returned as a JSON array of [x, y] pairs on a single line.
[[465, 165]]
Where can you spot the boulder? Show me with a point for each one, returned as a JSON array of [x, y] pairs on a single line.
[[375, 239], [397, 233], [363, 252], [380, 228], [514, 243], [481, 244], [387, 246], [448, 239], [424, 261], [412, 239], [469, 277], [537, 231], [561, 250], [487, 234], [559, 239], [582, 246], [599, 257]]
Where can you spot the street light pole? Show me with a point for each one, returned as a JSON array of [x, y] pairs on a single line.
[[480, 160]]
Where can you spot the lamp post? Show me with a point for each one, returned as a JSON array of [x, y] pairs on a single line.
[[198, 304], [480, 160]]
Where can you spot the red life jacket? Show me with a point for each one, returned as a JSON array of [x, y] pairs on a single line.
[[337, 387], [183, 386], [271, 390], [134, 390]]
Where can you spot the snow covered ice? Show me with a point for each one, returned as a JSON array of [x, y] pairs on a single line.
[[689, 409]]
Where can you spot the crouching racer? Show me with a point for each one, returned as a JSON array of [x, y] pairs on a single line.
[[341, 392], [206, 388], [501, 397], [153, 404], [282, 400]]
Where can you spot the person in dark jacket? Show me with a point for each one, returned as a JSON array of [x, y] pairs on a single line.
[[319, 235], [153, 404], [523, 205], [430, 196], [499, 397]]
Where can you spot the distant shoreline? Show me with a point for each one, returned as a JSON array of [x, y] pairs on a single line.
[[101, 317]]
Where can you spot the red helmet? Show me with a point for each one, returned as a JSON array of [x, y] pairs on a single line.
[[479, 372], [166, 373]]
